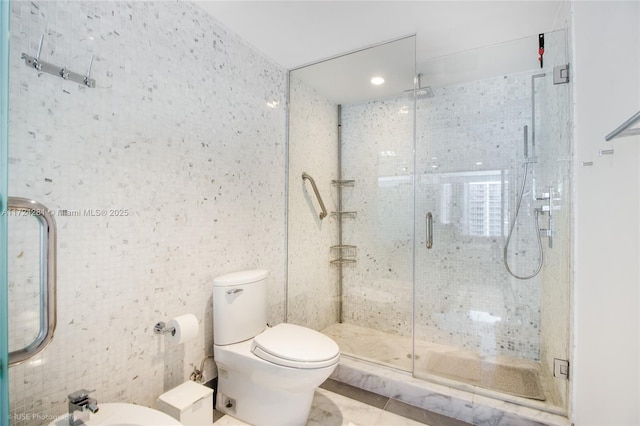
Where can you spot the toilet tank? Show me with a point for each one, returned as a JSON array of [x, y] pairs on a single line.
[[239, 306]]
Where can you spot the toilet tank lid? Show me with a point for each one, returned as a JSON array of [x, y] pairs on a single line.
[[241, 277]]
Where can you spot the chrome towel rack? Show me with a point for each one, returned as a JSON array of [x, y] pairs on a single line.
[[625, 128], [48, 315], [323, 213]]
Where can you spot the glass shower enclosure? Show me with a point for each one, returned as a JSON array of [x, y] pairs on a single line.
[[426, 182]]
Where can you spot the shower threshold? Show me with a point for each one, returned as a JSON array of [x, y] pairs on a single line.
[[508, 379]]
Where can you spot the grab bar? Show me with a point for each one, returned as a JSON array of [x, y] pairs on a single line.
[[48, 315], [429, 236], [323, 213]]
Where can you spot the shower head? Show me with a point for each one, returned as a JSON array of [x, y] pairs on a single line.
[[420, 92], [424, 92]]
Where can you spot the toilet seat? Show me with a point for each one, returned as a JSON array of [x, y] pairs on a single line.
[[294, 346]]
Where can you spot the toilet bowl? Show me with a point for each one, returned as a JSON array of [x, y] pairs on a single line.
[[266, 375]]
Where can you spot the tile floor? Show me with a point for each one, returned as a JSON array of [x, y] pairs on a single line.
[[337, 404]]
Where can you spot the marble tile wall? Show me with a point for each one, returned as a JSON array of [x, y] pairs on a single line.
[[313, 297], [378, 154], [182, 144]]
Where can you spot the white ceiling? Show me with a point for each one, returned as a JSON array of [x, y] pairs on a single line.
[[347, 79], [455, 41], [296, 33]]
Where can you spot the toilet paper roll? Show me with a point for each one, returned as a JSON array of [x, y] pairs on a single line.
[[186, 328]]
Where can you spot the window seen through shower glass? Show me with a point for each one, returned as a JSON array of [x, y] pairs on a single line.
[[476, 203], [485, 207]]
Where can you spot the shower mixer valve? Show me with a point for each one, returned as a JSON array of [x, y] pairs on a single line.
[[549, 197], [547, 208], [544, 196]]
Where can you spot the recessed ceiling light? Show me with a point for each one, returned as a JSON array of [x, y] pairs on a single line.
[[377, 80]]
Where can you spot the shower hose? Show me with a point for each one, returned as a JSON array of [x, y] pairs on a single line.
[[513, 223]]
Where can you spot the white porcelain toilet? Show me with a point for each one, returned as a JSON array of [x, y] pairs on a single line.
[[266, 375]]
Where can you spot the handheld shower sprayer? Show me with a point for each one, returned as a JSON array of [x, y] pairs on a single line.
[[505, 251], [536, 213]]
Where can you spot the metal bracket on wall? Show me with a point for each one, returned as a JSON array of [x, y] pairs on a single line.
[[561, 368], [561, 74]]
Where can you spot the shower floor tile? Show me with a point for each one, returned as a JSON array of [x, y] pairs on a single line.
[[513, 376]]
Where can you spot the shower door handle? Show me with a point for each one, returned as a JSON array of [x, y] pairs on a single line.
[[48, 317], [429, 223]]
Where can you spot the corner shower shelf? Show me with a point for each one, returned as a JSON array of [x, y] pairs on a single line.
[[345, 214], [343, 262], [343, 254], [344, 251], [343, 182]]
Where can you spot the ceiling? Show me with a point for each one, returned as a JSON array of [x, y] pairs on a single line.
[[296, 33], [455, 41]]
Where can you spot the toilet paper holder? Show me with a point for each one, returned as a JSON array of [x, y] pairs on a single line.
[[161, 328], [179, 329]]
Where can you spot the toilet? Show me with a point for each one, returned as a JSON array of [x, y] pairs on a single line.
[[266, 375]]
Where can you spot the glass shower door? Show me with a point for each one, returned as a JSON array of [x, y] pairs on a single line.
[[475, 324], [4, 107]]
